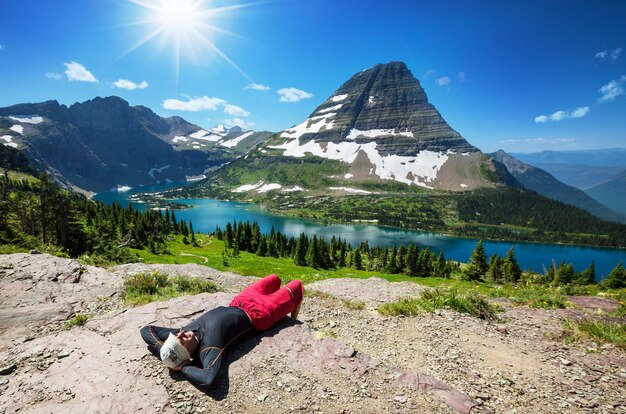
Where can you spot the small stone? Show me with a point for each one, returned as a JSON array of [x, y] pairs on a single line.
[[7, 369], [565, 362], [262, 397], [332, 324], [483, 396], [400, 398], [64, 354]]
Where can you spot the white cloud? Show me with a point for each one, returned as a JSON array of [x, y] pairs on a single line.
[[237, 122], [612, 90], [130, 85], [77, 72], [235, 110], [203, 103], [558, 116], [562, 115], [206, 103], [429, 73], [613, 54], [445, 81], [293, 95], [580, 112], [461, 76], [53, 75], [258, 87]]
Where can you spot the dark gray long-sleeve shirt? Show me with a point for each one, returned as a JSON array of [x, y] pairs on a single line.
[[216, 330]]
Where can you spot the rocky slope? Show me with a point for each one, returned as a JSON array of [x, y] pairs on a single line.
[[547, 185], [105, 143], [336, 359]]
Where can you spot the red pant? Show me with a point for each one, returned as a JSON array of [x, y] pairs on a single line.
[[266, 302]]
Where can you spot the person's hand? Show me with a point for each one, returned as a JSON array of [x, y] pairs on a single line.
[[180, 366]]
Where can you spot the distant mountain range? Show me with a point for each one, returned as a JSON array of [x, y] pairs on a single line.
[[105, 143], [545, 184], [582, 169], [600, 173], [612, 192]]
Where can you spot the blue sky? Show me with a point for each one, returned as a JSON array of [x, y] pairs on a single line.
[[524, 76]]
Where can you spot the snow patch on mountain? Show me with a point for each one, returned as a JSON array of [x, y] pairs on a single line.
[[310, 126], [330, 109], [419, 169], [260, 187], [8, 141], [180, 139], [292, 189], [199, 134], [338, 98], [350, 190], [235, 141], [17, 128], [373, 133], [268, 187], [31, 119]]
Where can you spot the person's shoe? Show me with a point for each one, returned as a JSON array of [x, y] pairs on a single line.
[[294, 313]]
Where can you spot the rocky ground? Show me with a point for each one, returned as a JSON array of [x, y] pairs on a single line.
[[339, 358]]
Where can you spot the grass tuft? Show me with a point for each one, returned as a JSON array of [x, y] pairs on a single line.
[[463, 302], [79, 319], [538, 297], [354, 304], [143, 288], [604, 331]]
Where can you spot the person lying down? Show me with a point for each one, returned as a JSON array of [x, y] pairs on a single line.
[[257, 308]]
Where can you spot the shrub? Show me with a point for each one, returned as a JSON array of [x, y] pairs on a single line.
[[143, 288]]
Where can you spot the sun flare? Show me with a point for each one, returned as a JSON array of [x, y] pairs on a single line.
[[179, 16], [186, 26]]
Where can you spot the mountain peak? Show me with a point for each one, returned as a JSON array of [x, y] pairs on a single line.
[[384, 103]]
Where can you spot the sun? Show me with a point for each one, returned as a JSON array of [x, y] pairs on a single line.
[[184, 25], [183, 16]]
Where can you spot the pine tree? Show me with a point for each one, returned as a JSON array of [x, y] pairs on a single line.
[[192, 233], [548, 278], [357, 261], [342, 255], [411, 261], [512, 271], [617, 278], [441, 266], [477, 265], [262, 247], [313, 254], [588, 276], [228, 234], [564, 274], [390, 266], [299, 257]]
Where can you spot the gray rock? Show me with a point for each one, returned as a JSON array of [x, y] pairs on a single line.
[[7, 369]]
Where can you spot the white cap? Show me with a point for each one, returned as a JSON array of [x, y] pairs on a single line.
[[173, 353]]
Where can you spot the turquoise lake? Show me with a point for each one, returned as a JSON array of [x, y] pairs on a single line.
[[208, 213]]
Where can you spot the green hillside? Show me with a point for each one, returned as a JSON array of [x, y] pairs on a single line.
[[504, 212]]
